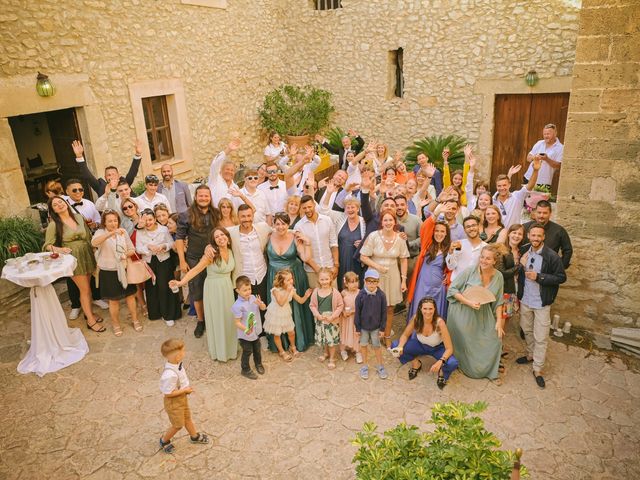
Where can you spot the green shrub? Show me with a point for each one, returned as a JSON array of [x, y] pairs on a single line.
[[22, 231], [459, 448], [335, 135], [138, 188], [292, 110], [432, 147]]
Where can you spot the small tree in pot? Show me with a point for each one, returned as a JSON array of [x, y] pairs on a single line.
[[296, 112]]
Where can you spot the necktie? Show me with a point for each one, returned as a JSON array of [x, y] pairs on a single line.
[[180, 366], [273, 188]]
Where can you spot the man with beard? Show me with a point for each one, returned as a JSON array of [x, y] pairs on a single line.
[[274, 188], [555, 236], [465, 253], [177, 192], [196, 225], [538, 282]]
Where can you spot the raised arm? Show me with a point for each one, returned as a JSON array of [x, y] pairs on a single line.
[[87, 174], [135, 163]]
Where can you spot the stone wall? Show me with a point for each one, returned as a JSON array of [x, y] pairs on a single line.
[[599, 192]]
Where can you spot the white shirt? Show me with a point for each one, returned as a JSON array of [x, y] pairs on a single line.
[[467, 256], [158, 237], [511, 208], [323, 236], [219, 188], [144, 202], [272, 150], [254, 265], [298, 178], [276, 197], [261, 204], [554, 152], [87, 209], [174, 377]]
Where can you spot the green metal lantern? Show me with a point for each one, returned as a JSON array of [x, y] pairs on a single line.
[[44, 87], [531, 78]]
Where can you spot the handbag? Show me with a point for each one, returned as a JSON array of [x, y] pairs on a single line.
[[138, 271]]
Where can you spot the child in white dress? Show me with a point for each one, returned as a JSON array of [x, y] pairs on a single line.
[[279, 317]]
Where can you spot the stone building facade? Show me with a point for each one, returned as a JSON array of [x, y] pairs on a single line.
[[216, 59], [599, 196]]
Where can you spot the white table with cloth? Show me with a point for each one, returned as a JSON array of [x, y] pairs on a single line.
[[53, 344]]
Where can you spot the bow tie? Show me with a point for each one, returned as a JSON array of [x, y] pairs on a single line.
[[180, 366], [78, 203], [273, 188]]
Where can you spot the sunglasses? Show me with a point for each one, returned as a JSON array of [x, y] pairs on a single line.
[[272, 172], [77, 190], [531, 264], [251, 177], [128, 207]]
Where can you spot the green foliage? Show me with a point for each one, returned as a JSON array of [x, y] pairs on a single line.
[[138, 188], [542, 188], [458, 448], [292, 110], [432, 147], [23, 231], [335, 135]]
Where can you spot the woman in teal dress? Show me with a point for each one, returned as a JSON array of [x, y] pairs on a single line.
[[218, 296], [285, 250], [477, 330]]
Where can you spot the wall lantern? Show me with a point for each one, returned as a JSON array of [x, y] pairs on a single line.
[[44, 87], [531, 78]]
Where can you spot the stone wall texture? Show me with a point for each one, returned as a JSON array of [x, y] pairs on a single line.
[[599, 192]]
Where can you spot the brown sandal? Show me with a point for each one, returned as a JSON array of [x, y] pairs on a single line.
[[286, 356]]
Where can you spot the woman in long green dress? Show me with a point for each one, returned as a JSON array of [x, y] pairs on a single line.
[[285, 250], [477, 330], [218, 296]]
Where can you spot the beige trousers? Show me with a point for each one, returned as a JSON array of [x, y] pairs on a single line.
[[535, 322]]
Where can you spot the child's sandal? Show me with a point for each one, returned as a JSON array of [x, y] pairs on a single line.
[[286, 356], [331, 365], [167, 447], [117, 330], [201, 438]]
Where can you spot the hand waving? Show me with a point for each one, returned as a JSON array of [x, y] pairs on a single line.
[[78, 149]]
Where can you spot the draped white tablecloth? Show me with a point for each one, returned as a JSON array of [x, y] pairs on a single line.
[[53, 344]]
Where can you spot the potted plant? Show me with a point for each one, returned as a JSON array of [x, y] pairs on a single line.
[[19, 235], [296, 112], [432, 147], [459, 447]]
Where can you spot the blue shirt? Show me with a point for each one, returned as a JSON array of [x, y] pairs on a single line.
[[241, 309], [531, 294]]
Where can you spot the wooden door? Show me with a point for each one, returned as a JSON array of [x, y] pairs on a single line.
[[518, 123]]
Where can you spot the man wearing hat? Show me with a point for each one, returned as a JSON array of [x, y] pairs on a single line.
[[370, 320], [150, 198]]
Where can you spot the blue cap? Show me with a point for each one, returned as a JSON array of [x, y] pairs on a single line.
[[371, 273]]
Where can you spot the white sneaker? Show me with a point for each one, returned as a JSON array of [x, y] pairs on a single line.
[[358, 357], [170, 323], [264, 343], [101, 304], [75, 313], [344, 355]]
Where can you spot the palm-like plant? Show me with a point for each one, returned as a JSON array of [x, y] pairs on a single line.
[[335, 135], [433, 146], [23, 232]]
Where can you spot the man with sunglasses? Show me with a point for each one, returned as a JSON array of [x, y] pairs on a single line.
[[86, 208], [111, 174], [549, 150], [150, 197], [511, 204], [539, 278], [274, 189], [257, 198]]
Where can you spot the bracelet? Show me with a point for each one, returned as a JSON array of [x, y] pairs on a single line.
[[443, 360]]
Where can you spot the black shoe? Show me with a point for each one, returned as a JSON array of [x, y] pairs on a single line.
[[413, 372], [260, 369], [200, 328], [539, 380], [523, 360], [522, 333], [441, 382], [186, 306], [250, 374]]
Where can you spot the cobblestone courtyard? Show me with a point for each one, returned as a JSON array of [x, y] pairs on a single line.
[[101, 418]]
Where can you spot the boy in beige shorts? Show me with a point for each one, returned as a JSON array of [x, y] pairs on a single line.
[[174, 383]]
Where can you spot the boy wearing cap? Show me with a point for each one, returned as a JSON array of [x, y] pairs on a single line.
[[150, 198], [370, 320]]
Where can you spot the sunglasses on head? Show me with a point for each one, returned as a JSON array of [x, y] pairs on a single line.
[[77, 190]]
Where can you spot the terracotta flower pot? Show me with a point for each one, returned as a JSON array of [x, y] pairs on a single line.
[[299, 140]]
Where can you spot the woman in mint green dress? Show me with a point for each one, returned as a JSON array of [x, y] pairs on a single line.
[[285, 250], [477, 330], [218, 296]]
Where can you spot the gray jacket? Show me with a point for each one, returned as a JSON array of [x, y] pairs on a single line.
[[182, 195]]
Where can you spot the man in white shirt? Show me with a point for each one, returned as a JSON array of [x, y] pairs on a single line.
[[510, 204], [550, 151], [274, 189], [465, 253], [150, 198], [262, 210], [221, 174], [321, 230]]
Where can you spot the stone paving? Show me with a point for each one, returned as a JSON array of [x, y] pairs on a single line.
[[101, 418]]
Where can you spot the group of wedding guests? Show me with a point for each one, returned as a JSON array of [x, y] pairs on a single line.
[[290, 262]]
